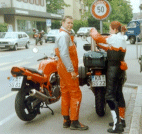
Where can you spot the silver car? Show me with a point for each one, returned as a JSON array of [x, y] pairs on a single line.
[[52, 35], [84, 31], [13, 40]]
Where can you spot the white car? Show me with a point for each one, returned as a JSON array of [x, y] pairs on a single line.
[[13, 40], [84, 31]]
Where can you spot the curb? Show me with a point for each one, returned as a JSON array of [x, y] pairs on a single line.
[[137, 110]]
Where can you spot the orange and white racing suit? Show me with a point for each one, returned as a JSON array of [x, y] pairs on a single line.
[[67, 63], [115, 45]]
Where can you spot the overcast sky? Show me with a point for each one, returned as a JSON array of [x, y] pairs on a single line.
[[135, 5]]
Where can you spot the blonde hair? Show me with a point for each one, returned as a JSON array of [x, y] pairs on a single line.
[[65, 17]]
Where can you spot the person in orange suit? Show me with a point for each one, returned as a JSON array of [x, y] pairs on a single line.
[[68, 72], [116, 67]]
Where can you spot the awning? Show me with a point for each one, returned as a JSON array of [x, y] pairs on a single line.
[[29, 13]]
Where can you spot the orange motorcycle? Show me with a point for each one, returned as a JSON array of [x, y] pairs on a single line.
[[36, 88]]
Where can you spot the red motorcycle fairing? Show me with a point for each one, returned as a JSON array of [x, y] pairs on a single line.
[[48, 67], [33, 75]]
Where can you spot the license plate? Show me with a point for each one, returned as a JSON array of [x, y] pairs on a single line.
[[16, 82], [50, 38], [98, 80]]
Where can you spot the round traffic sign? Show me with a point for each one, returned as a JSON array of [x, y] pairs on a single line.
[[100, 9]]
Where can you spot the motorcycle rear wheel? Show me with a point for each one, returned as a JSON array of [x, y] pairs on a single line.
[[100, 103], [23, 106]]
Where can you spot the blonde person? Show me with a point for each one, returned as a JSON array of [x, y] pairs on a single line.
[[68, 72]]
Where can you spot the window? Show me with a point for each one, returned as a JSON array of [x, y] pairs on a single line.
[[19, 35], [37, 2], [132, 25], [31, 1], [42, 2], [25, 1], [24, 35]]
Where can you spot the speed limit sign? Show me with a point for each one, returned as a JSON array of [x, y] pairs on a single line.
[[100, 9]]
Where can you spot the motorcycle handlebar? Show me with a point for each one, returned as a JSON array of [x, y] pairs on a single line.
[[46, 57]]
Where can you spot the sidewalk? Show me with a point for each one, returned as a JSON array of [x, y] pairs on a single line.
[[136, 120]]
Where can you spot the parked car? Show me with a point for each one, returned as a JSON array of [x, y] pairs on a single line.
[[13, 40], [84, 31], [52, 35], [134, 29]]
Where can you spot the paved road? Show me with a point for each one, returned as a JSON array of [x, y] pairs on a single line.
[[46, 123]]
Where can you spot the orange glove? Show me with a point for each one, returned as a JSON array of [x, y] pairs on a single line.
[[97, 36], [123, 65]]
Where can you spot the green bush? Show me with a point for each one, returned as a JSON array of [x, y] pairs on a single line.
[[92, 22], [106, 27], [79, 23], [56, 24], [3, 27]]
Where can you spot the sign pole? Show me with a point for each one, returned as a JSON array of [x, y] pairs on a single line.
[[101, 26]]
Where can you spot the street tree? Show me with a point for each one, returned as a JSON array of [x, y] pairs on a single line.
[[53, 6], [121, 11]]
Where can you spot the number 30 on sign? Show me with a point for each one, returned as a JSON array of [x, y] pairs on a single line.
[[100, 9]]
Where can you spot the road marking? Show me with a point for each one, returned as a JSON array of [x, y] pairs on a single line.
[[17, 64], [7, 119], [18, 61], [4, 55], [2, 64], [7, 96]]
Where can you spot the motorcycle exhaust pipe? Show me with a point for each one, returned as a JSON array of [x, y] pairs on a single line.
[[39, 95]]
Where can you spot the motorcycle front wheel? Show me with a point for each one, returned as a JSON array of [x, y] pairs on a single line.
[[23, 106]]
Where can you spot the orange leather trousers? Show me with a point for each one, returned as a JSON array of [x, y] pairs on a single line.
[[70, 92]]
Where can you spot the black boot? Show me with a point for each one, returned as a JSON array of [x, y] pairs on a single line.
[[122, 121], [117, 128], [76, 125], [67, 122]]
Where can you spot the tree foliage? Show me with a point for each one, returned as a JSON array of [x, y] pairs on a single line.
[[3, 27], [121, 11], [54, 5]]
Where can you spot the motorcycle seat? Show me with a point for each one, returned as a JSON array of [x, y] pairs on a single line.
[[40, 72]]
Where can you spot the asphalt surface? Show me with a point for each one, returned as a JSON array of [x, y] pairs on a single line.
[[132, 93]]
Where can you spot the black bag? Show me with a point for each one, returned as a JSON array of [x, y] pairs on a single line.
[[95, 59]]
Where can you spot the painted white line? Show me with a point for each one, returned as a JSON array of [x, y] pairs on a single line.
[[4, 55], [2, 64], [30, 57], [17, 64], [7, 96], [18, 61], [7, 119]]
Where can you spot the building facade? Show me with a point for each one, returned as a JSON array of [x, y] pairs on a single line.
[[76, 8], [24, 15]]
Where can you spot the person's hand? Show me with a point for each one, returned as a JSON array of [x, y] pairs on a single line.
[[74, 75]]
